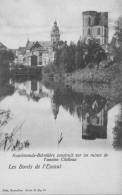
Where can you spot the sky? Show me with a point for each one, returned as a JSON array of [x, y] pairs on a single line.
[[33, 19]]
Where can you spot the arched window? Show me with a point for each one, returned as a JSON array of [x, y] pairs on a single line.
[[98, 31]]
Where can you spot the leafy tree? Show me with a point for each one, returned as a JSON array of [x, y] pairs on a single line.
[[71, 57], [118, 29], [117, 47], [95, 53], [80, 55], [61, 57], [77, 56]]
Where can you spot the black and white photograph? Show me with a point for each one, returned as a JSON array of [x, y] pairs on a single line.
[[60, 97]]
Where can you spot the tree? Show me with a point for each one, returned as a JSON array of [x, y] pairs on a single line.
[[76, 56], [118, 30], [61, 57], [95, 53], [71, 57], [116, 43], [80, 55]]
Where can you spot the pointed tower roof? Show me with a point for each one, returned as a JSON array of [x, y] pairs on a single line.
[[55, 28]]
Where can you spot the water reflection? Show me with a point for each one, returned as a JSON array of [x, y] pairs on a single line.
[[91, 110], [78, 116], [32, 89], [6, 88], [117, 130], [94, 118]]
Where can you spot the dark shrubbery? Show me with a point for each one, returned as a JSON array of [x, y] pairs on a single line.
[[6, 56], [77, 56], [116, 43]]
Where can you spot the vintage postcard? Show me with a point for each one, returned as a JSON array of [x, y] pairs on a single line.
[[60, 97]]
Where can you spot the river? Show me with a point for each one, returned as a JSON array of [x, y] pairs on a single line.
[[52, 115]]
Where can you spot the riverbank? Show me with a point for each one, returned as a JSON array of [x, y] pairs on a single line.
[[88, 75], [106, 82], [95, 75]]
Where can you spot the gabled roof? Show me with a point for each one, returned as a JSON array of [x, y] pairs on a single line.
[[44, 44], [36, 46], [2, 46], [29, 44]]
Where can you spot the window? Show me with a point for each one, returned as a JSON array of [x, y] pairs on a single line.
[[89, 33], [98, 31], [89, 21], [98, 41]]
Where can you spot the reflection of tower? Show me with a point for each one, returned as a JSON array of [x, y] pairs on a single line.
[[34, 85], [94, 120], [55, 35], [55, 109], [36, 90]]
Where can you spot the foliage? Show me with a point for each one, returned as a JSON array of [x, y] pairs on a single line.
[[95, 53], [6, 56], [118, 29], [78, 56], [118, 135], [117, 46], [49, 70]]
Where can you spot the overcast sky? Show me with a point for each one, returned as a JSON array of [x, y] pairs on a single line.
[[33, 19]]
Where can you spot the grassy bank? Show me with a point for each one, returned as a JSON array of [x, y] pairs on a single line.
[[89, 75], [106, 82], [95, 75]]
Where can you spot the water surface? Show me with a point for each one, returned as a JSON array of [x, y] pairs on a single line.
[[51, 115]]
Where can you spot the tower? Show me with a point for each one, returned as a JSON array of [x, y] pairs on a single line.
[[55, 35], [95, 26]]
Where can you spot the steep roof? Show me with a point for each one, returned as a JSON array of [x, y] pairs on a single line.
[[44, 44], [29, 44], [2, 46], [36, 46]]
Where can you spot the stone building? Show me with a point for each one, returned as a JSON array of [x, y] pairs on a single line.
[[40, 53], [20, 55], [95, 26]]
